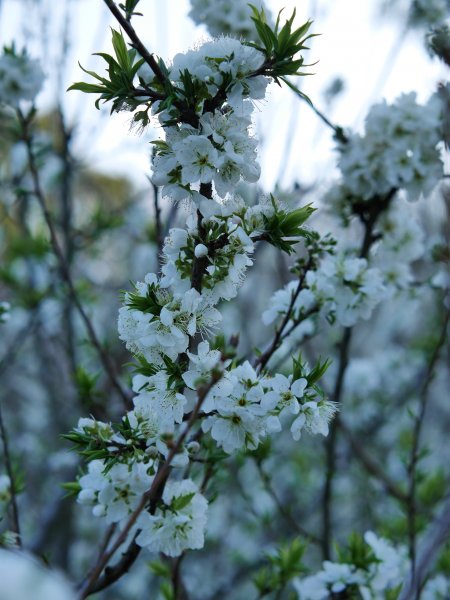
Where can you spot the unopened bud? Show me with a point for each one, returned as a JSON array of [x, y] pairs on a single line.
[[193, 447], [200, 250]]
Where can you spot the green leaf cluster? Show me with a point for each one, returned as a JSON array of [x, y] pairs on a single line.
[[283, 566], [280, 45], [129, 9], [283, 229], [146, 304], [86, 384], [357, 552], [118, 87]]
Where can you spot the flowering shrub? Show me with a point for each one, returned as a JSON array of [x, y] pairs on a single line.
[[348, 347]]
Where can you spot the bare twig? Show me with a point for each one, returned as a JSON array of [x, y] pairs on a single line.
[[13, 486], [281, 333], [158, 225], [417, 431], [371, 465], [284, 510], [368, 213], [64, 268]]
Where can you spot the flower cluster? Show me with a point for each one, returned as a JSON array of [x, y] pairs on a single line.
[[229, 17], [192, 395], [402, 243], [244, 407], [216, 146], [342, 289], [20, 78], [377, 569], [157, 323], [178, 523], [397, 151], [115, 486]]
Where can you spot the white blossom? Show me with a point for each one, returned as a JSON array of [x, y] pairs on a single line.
[[115, 493], [23, 577], [178, 524], [231, 17], [398, 151], [20, 78]]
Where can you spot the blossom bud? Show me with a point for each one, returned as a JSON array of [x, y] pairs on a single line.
[[193, 447], [200, 250], [99, 510], [86, 496], [151, 451]]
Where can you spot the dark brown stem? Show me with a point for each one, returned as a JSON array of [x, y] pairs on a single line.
[[200, 264], [178, 587], [330, 447], [112, 574], [158, 224]]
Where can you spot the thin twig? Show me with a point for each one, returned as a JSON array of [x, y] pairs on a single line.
[[64, 268], [158, 224], [283, 510], [12, 479], [371, 465], [280, 334], [417, 431], [435, 537], [368, 213]]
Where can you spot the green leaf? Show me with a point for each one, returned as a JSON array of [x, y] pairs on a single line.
[[120, 48], [89, 88], [181, 502], [159, 568], [72, 488]]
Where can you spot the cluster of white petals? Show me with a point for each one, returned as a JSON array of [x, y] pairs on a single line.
[[344, 289], [178, 524], [244, 407], [23, 577], [218, 148], [401, 244], [399, 150], [230, 17], [387, 569], [20, 78], [164, 326], [226, 265], [114, 493], [167, 318]]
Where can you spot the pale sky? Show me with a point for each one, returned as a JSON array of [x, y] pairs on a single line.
[[355, 44]]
